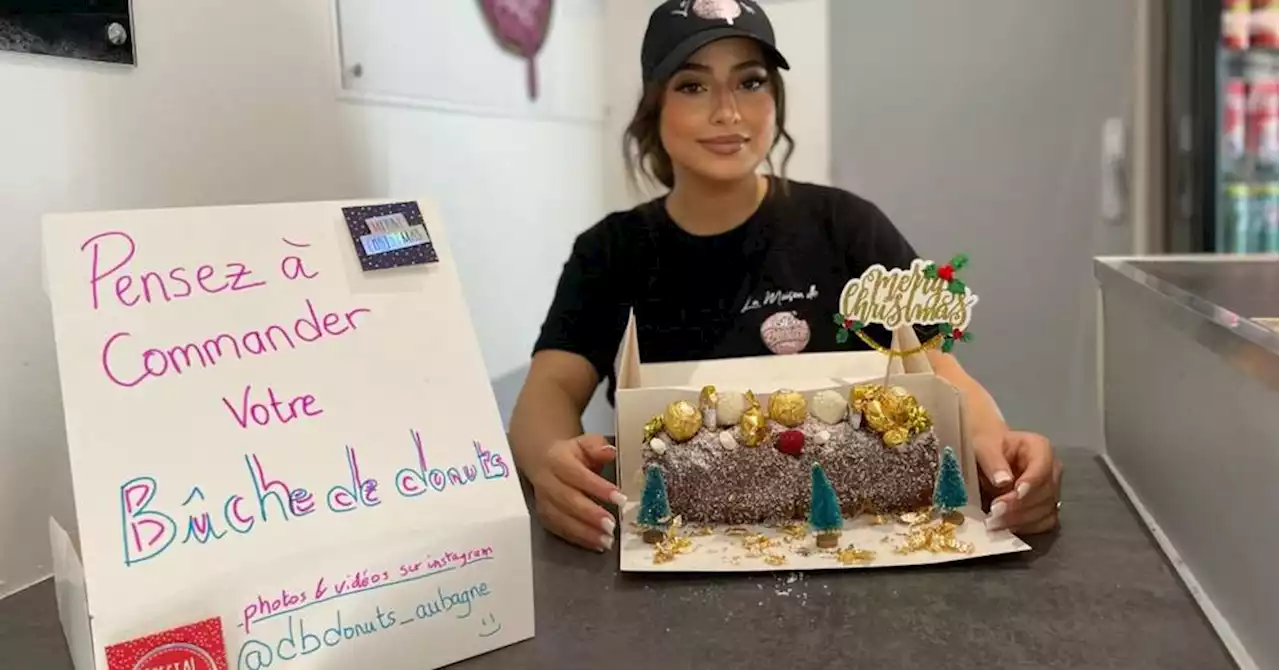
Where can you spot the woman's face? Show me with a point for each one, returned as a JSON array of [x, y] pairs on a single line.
[[718, 112]]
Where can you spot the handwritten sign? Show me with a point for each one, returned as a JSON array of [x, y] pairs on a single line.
[[261, 432]]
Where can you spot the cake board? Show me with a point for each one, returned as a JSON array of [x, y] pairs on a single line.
[[866, 540]]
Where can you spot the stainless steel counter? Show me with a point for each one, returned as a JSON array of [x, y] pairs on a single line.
[[1188, 390]]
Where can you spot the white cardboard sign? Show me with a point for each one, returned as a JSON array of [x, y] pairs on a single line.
[[262, 434], [645, 389]]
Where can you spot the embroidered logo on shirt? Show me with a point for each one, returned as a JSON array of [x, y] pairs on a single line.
[[711, 10], [778, 298]]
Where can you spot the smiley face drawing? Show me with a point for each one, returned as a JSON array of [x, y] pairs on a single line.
[[489, 626]]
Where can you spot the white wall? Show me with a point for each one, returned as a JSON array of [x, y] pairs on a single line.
[[800, 27], [233, 102]]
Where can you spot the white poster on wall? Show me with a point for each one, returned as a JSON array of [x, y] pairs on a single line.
[[512, 58], [284, 446]]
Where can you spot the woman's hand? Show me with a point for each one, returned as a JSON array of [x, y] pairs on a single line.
[[567, 488], [1021, 474]]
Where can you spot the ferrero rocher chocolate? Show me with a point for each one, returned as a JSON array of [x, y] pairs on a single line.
[[682, 420], [788, 408], [752, 426]]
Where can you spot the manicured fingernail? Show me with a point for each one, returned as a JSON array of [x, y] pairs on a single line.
[[617, 498], [610, 446], [1001, 478], [1023, 489], [994, 523], [606, 542], [608, 524], [997, 510]]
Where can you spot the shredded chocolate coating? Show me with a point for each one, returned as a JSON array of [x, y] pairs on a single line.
[[707, 483]]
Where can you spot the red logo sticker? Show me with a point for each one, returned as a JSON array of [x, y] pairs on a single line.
[[197, 646]]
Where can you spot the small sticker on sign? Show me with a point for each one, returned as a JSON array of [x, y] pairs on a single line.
[[392, 235], [387, 224], [394, 241]]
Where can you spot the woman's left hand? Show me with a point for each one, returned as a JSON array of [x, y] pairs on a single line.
[[1021, 473]]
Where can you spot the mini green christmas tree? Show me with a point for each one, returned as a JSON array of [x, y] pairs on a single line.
[[949, 495], [824, 509], [655, 511]]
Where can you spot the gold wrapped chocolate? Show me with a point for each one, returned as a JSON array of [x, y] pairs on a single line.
[[751, 400], [708, 398], [788, 408], [652, 428], [861, 394], [682, 420], [895, 436], [876, 417], [893, 413], [752, 426]]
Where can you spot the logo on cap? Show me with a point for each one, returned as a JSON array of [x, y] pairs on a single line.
[[713, 10]]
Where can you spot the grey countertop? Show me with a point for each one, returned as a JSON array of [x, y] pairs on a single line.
[[1097, 594]]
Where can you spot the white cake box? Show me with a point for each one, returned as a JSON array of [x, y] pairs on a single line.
[[368, 516], [645, 389]]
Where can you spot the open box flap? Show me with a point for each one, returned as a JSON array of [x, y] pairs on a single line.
[[72, 597]]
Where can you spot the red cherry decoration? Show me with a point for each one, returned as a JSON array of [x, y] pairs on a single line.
[[947, 272], [957, 334], [790, 442]]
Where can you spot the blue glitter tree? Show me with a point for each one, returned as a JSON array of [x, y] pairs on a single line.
[[949, 493], [655, 511], [824, 506]]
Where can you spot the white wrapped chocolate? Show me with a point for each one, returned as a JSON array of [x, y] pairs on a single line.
[[658, 446], [822, 437], [828, 406], [727, 441], [730, 407]]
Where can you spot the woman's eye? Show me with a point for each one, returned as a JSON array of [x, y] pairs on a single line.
[[754, 83], [690, 87]]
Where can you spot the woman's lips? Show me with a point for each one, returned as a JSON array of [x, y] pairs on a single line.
[[724, 145]]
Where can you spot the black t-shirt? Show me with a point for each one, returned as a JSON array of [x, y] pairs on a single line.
[[738, 293]]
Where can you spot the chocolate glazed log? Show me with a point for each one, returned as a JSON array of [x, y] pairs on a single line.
[[521, 27], [708, 482]]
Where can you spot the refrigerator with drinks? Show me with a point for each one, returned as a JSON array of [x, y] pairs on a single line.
[[1221, 105]]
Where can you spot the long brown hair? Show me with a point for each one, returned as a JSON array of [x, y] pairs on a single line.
[[642, 148]]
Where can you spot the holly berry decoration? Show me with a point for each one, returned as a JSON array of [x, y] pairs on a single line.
[[847, 325], [790, 442], [947, 273], [952, 335]]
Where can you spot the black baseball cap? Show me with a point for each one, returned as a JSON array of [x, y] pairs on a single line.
[[678, 28]]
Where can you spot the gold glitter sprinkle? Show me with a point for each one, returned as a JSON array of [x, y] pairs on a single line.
[[701, 531], [917, 517], [937, 537], [851, 555], [736, 530], [652, 428], [672, 545], [794, 531], [880, 519], [775, 559]]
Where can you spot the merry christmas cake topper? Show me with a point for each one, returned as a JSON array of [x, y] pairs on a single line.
[[925, 294]]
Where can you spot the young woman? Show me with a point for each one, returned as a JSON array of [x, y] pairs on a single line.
[[713, 265]]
